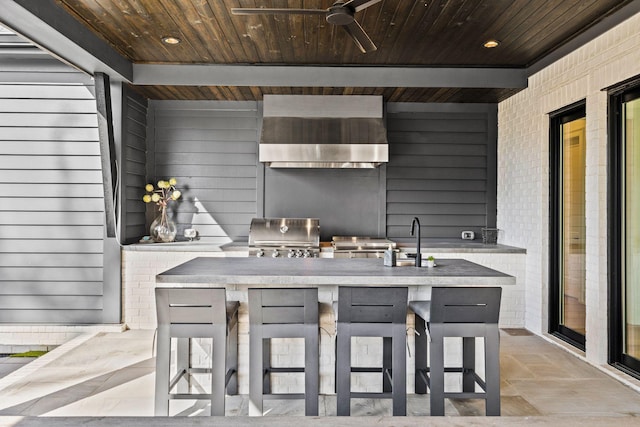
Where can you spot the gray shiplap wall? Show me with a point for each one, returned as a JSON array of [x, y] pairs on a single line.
[[133, 164], [51, 205], [441, 168], [211, 149]]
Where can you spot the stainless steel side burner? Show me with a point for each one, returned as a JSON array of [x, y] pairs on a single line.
[[360, 247], [284, 237]]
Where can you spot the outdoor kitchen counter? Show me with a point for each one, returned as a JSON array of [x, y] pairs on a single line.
[[430, 246], [321, 271], [237, 275]]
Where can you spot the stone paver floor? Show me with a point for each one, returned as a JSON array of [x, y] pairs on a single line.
[[112, 375]]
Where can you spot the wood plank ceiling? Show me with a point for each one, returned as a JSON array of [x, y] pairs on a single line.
[[433, 33]]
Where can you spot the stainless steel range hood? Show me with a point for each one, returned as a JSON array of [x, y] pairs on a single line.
[[309, 131]]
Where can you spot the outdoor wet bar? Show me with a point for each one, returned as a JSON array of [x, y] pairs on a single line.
[[312, 209], [330, 277]]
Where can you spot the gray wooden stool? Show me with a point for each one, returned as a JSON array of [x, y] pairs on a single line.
[[282, 313], [372, 312], [466, 312], [186, 313]]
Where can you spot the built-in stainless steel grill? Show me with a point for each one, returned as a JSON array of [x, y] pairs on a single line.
[[284, 237], [360, 247]]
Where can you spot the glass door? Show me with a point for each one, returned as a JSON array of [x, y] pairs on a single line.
[[631, 294], [567, 224], [625, 253]]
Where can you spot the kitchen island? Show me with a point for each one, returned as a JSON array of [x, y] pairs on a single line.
[[239, 274]]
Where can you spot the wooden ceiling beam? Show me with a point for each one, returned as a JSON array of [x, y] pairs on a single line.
[[321, 76], [57, 32]]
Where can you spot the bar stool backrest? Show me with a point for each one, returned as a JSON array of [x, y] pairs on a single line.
[[283, 306], [372, 305], [189, 310], [465, 304]]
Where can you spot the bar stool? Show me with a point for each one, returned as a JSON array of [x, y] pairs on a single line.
[[186, 313], [282, 313], [466, 312], [372, 312]]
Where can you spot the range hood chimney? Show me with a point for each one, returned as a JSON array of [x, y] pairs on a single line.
[[323, 131]]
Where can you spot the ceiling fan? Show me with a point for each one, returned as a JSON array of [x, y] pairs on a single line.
[[340, 13]]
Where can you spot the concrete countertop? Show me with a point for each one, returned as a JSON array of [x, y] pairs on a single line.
[[455, 245], [322, 271], [404, 245], [185, 246]]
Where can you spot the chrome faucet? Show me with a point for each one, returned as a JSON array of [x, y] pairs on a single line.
[[415, 222]]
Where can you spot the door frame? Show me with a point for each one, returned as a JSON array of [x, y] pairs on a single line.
[[556, 118], [619, 94]]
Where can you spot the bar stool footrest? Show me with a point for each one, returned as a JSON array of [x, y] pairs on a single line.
[[377, 369], [285, 370], [284, 396], [190, 396], [371, 395], [465, 395], [199, 371], [477, 378]]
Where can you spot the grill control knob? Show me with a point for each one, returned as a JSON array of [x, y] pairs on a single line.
[[298, 253], [306, 254], [260, 253], [275, 254], [291, 253]]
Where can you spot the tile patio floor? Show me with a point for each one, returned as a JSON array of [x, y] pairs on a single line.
[[111, 375]]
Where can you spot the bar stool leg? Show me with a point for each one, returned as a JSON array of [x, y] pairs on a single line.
[[468, 363], [256, 370], [492, 374], [399, 391], [183, 364], [421, 348], [343, 370], [436, 372], [387, 363], [218, 362], [232, 360], [266, 366], [311, 370], [163, 355]]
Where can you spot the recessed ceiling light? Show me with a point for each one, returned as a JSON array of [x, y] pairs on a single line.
[[489, 44], [171, 40]]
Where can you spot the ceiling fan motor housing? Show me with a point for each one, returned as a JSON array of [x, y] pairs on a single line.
[[340, 15]]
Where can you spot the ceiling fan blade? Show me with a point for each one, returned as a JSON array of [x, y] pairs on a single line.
[[267, 11], [360, 38], [358, 5]]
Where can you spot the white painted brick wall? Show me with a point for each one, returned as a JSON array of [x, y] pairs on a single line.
[[523, 169], [24, 337], [139, 270], [513, 307]]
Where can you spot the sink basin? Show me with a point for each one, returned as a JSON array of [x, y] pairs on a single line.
[[409, 263]]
